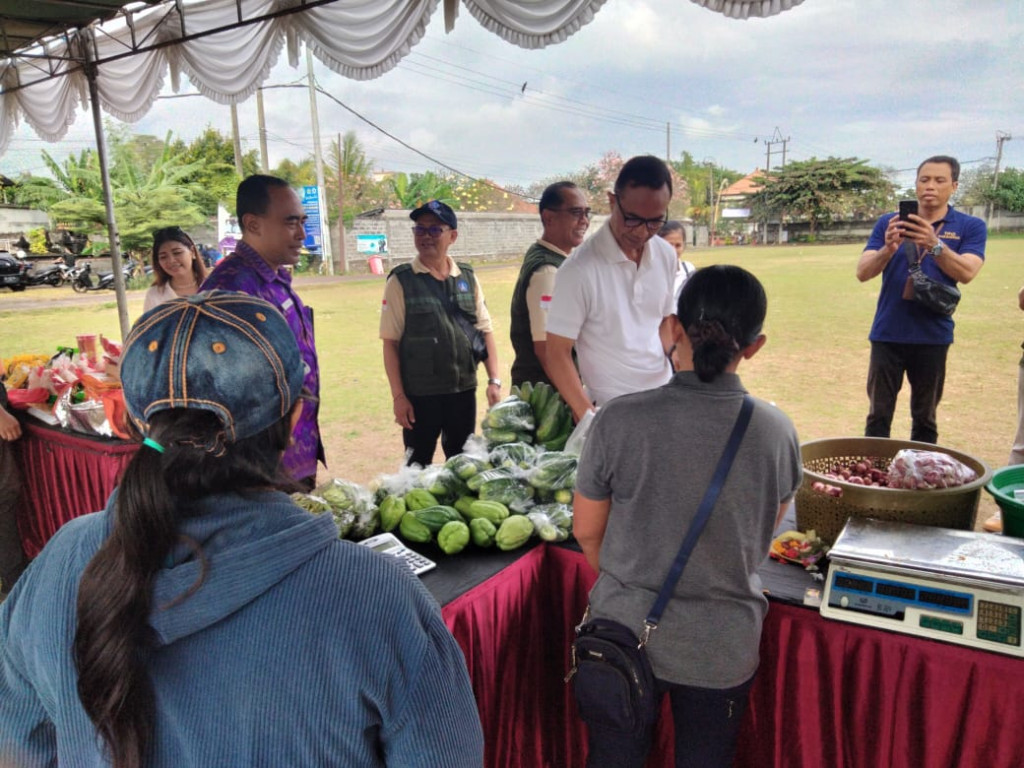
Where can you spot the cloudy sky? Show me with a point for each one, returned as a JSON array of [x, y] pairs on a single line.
[[890, 82]]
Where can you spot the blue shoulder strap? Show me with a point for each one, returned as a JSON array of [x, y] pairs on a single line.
[[703, 513]]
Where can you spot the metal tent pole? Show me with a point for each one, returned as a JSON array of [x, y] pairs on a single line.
[[91, 71]]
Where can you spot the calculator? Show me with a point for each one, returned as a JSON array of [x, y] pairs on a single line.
[[389, 544]]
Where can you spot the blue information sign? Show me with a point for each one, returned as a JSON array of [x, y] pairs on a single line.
[[310, 196]]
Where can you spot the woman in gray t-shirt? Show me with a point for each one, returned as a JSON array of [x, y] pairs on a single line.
[[647, 462]]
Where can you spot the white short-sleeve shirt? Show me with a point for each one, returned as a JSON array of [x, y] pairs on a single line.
[[612, 309]]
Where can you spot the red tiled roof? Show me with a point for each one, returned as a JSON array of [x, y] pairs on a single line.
[[744, 186]]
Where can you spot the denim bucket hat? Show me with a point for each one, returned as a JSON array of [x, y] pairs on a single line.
[[224, 352]]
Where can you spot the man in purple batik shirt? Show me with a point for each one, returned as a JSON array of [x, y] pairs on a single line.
[[273, 230]]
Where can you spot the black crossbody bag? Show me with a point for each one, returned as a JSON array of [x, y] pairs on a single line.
[[612, 679], [930, 293], [476, 339]]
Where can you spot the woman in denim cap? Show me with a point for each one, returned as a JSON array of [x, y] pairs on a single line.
[[648, 459], [203, 619], [178, 269]]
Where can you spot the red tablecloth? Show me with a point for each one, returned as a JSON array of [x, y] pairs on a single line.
[[65, 475], [827, 693]]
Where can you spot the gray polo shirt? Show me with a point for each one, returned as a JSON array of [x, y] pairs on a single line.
[[653, 453]]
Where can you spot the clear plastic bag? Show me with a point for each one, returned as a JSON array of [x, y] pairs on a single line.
[[924, 470], [575, 442]]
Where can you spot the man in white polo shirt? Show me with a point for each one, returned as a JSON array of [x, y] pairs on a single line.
[[613, 298]]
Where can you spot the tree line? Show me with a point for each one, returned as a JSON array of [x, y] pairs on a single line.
[[166, 182]]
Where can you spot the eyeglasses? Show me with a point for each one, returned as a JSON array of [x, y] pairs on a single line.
[[632, 222], [434, 230], [576, 213]]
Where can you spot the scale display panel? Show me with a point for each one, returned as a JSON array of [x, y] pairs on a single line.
[[959, 586]]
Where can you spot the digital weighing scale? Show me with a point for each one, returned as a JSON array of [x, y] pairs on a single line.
[[958, 586]]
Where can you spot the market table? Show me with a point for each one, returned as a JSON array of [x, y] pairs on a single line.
[[65, 474], [828, 693]]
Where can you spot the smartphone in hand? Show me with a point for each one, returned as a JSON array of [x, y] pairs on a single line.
[[907, 207]]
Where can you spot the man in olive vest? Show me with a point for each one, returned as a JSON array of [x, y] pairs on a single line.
[[565, 217], [432, 317]]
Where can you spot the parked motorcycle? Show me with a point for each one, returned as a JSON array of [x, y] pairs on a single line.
[[56, 275], [85, 280]]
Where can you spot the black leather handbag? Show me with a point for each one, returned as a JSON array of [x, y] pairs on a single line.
[[612, 679]]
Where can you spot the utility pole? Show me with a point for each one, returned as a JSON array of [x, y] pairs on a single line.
[[237, 139], [709, 199], [325, 231], [262, 121], [668, 143], [775, 139], [1001, 138], [342, 256]]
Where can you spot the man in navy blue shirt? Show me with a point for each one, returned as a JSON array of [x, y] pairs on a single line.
[[907, 337]]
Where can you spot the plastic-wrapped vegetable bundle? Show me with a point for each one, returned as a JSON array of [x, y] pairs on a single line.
[[355, 514], [516, 454], [441, 482], [557, 513], [509, 421], [315, 505], [924, 470], [498, 473], [464, 465], [554, 471], [544, 527]]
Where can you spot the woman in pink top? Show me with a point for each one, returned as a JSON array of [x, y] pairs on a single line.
[[178, 269]]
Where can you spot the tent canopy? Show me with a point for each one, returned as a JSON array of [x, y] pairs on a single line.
[[24, 24], [59, 55], [228, 47]]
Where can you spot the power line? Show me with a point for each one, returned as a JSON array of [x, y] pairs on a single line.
[[411, 148], [745, 137]]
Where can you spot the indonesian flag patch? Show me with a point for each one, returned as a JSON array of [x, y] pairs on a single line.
[[545, 303]]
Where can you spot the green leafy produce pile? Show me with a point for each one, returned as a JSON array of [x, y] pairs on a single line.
[[500, 494], [533, 413]]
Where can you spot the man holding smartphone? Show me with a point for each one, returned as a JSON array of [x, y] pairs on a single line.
[[906, 336]]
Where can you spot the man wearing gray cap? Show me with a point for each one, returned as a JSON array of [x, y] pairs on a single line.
[[436, 328]]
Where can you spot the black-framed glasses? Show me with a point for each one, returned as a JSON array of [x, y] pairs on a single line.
[[433, 230], [576, 213], [632, 222]]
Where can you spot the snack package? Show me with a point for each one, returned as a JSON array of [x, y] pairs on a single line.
[[924, 470]]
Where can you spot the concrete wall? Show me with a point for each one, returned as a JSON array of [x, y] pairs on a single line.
[[16, 221], [482, 237]]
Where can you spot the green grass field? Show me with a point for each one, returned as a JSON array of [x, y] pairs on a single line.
[[813, 367]]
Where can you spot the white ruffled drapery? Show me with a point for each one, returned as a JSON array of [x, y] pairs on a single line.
[[360, 39]]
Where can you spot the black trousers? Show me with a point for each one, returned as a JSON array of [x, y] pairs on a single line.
[[452, 417], [707, 726], [925, 368]]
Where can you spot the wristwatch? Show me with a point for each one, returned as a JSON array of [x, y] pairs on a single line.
[[936, 249], [495, 382]]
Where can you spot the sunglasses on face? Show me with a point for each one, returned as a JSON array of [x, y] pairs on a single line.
[[433, 230]]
